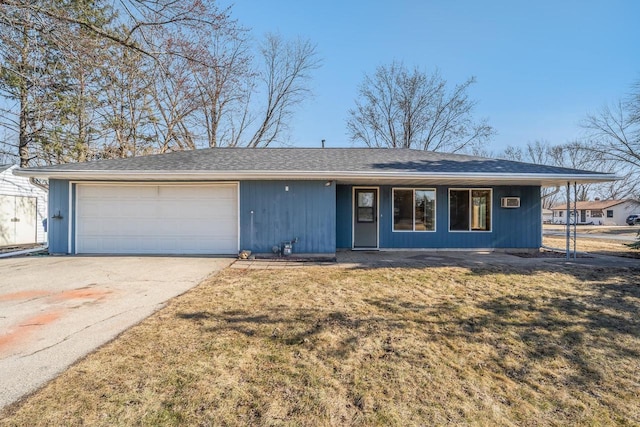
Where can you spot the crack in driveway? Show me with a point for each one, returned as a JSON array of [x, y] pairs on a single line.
[[67, 337], [88, 300]]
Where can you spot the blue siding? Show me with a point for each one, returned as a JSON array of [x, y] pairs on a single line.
[[343, 216], [58, 221], [306, 212], [511, 228], [321, 218]]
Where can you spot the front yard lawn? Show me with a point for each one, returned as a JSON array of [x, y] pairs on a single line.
[[556, 345], [595, 246]]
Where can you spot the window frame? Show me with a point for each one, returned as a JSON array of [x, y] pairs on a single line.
[[371, 209], [610, 213], [470, 190], [413, 191]]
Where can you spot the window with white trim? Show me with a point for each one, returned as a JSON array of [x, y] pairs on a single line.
[[414, 209], [470, 209]]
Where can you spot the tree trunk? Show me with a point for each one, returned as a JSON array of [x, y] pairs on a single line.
[[23, 138]]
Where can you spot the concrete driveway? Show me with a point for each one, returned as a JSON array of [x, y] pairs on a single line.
[[55, 310]]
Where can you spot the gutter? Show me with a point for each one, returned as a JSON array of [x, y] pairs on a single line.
[[304, 175]]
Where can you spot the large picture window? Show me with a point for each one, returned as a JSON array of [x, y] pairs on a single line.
[[414, 209], [470, 210]]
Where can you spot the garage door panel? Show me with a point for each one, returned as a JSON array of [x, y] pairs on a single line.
[[157, 219]]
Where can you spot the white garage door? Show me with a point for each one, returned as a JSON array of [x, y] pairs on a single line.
[[157, 219]]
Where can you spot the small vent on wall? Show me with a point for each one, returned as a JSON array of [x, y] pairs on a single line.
[[510, 202]]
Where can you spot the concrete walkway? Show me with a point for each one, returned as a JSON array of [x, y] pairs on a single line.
[[55, 310], [421, 259]]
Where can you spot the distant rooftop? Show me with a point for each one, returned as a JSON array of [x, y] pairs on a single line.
[[594, 205]]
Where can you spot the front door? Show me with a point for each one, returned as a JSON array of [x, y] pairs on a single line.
[[583, 215], [365, 218]]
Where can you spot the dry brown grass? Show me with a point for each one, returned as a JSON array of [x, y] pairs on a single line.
[[329, 346], [596, 246]]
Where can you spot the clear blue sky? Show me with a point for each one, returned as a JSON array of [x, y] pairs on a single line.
[[540, 66]]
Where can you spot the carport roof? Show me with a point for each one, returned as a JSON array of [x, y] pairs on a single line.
[[344, 165]]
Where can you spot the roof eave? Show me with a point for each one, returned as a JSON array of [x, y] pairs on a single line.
[[345, 176]]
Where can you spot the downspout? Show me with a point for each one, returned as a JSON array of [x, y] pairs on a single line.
[[25, 251], [33, 181], [44, 188]]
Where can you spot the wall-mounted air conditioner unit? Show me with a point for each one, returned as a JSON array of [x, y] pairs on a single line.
[[510, 202]]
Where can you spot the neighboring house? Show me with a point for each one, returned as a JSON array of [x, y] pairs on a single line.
[[547, 216], [599, 212], [222, 200], [23, 209]]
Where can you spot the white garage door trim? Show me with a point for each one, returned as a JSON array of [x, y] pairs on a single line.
[[172, 244]]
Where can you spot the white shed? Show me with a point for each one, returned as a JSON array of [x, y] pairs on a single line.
[[23, 209]]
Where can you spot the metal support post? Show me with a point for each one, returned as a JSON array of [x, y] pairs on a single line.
[[567, 222], [575, 220]]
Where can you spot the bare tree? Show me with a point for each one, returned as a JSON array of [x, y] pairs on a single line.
[[126, 109], [576, 156], [541, 153], [247, 102], [140, 16], [105, 79], [571, 155], [29, 73], [51, 50], [614, 133], [224, 87], [287, 68], [402, 108]]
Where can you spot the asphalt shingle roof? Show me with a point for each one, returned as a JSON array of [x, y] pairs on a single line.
[[315, 160]]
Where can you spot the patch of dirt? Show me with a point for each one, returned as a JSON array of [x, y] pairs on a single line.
[[546, 254], [292, 258]]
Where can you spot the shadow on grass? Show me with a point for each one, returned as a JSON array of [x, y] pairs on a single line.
[[577, 328], [496, 262], [568, 326]]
